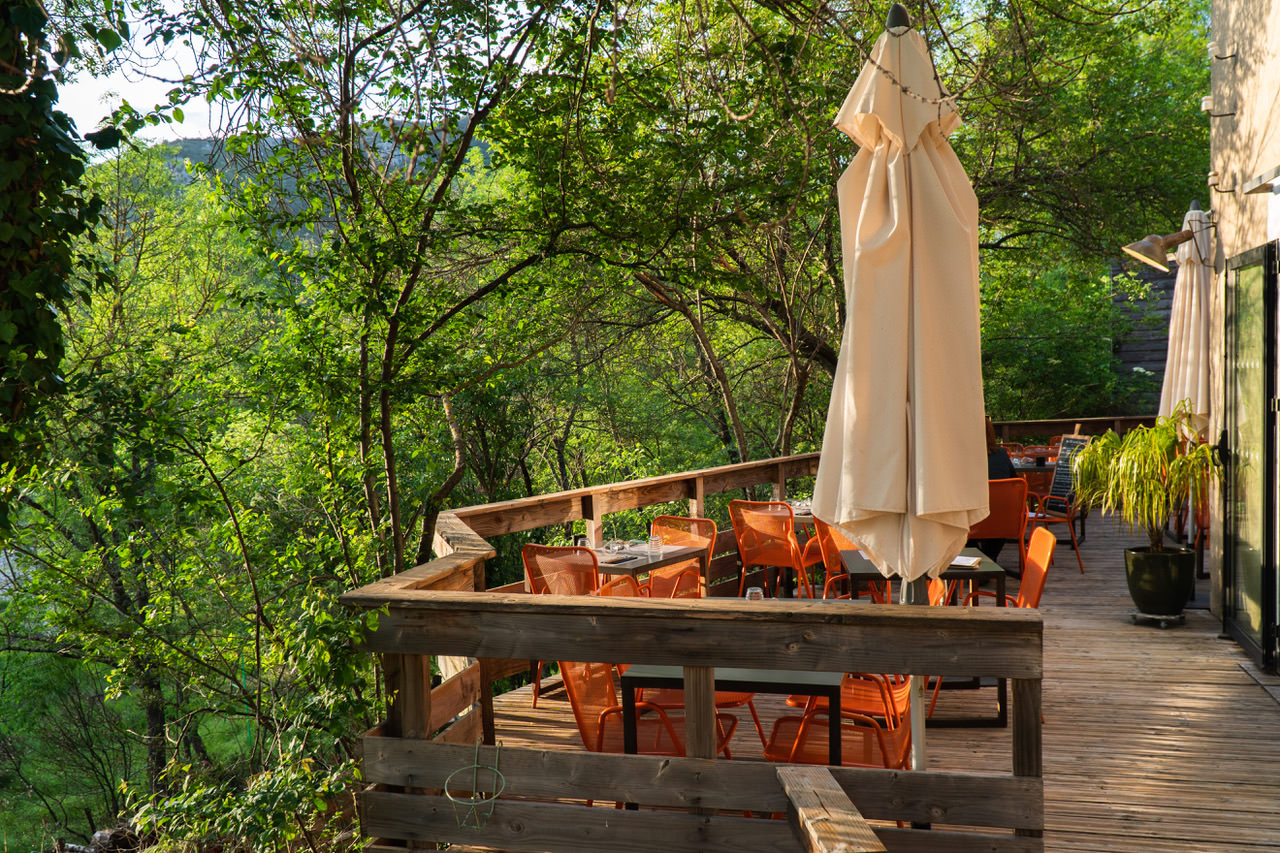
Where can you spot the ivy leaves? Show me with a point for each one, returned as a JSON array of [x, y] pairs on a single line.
[[42, 213]]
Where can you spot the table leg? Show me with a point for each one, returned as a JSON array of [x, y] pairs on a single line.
[[835, 746], [629, 740], [630, 744], [1002, 685]]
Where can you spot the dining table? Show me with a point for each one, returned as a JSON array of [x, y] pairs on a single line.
[[638, 559], [972, 568]]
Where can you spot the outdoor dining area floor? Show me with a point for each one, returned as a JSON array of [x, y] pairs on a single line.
[[1154, 739]]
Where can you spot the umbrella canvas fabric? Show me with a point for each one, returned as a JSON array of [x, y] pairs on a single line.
[[903, 466], [1186, 372]]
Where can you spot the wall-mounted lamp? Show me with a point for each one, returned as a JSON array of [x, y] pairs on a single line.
[[1213, 47], [1153, 249]]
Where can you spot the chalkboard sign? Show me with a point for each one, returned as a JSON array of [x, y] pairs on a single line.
[[1063, 486]]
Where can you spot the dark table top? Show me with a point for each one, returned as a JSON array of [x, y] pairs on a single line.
[[735, 678], [860, 568], [639, 562]]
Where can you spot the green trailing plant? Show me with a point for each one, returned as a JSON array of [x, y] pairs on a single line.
[[1147, 475]]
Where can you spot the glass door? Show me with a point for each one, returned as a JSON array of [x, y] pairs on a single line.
[[1249, 545]]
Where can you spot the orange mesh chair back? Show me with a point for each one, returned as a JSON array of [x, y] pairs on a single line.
[[1039, 556], [831, 541], [1036, 451], [558, 571], [1008, 518], [766, 535], [682, 580]]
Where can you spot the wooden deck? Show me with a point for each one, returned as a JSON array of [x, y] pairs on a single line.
[[1153, 740]]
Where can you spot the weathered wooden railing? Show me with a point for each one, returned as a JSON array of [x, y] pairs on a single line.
[[1018, 430], [437, 609], [810, 635]]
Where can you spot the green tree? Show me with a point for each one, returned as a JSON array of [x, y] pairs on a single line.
[[42, 212], [170, 543]]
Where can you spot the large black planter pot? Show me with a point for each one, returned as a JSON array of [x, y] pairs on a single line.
[[1160, 582]]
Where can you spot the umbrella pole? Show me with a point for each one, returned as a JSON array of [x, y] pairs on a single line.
[[917, 592]]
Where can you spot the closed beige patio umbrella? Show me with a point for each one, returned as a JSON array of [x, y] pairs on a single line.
[[903, 466], [1186, 371]]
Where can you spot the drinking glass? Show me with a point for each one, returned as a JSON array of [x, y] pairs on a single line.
[[655, 546], [755, 593]]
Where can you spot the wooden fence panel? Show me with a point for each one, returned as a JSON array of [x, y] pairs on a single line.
[[941, 798]]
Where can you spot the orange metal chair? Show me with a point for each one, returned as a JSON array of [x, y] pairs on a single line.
[[831, 541], [1039, 556], [669, 699], [1013, 448], [556, 570], [681, 580], [1051, 509], [1030, 588], [1008, 518], [571, 570], [766, 535], [881, 739]]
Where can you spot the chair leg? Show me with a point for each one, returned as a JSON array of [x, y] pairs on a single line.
[[535, 672], [937, 685], [1074, 544], [755, 718]]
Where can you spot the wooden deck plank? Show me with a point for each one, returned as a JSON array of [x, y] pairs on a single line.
[[1153, 739]]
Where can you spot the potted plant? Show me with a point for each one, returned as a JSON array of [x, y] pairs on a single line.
[[1146, 477]]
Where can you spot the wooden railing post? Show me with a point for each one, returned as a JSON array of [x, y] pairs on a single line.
[[1027, 756], [779, 483], [700, 711], [698, 500], [411, 707], [595, 520]]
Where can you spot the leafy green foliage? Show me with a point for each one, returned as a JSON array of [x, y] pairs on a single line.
[[529, 247], [1146, 476], [1049, 347], [42, 212]]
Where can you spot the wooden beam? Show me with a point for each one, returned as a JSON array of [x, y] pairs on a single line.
[[823, 817], [516, 825], [934, 797], [793, 634], [454, 696], [560, 507]]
